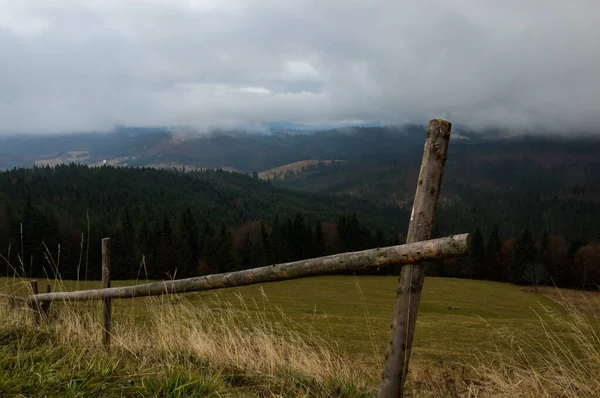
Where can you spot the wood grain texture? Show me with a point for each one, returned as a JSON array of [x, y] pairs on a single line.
[[410, 283]]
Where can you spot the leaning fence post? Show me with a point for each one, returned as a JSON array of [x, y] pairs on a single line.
[[410, 283], [35, 306], [106, 304]]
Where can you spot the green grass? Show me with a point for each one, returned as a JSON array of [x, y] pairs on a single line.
[[317, 337], [354, 314]]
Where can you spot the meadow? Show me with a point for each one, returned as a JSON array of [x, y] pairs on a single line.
[[322, 336]]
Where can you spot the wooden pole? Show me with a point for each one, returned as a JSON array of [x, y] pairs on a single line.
[[35, 305], [12, 300], [45, 307], [410, 283], [106, 304], [452, 246]]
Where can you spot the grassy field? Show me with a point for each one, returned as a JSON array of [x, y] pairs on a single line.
[[461, 322]]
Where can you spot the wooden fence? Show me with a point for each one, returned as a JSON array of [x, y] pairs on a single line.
[[410, 258]]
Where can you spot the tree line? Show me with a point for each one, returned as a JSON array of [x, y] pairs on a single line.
[[168, 247], [166, 224], [523, 259]]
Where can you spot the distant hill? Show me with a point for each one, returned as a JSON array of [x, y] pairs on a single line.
[[171, 217], [492, 176], [548, 184], [246, 152], [10, 161]]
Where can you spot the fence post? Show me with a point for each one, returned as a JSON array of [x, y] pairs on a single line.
[[45, 307], [410, 283], [35, 306], [106, 303]]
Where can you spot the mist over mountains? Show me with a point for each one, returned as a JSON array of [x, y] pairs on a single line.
[[249, 152]]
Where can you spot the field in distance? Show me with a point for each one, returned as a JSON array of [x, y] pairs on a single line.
[[280, 173]]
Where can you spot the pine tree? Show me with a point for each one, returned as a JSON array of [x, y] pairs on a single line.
[[225, 257], [477, 255], [319, 241], [524, 265], [166, 264], [379, 239], [187, 245], [146, 246], [246, 252], [492, 249], [123, 248], [267, 253], [299, 238]]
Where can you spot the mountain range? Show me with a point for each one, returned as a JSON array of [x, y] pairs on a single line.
[[487, 172]]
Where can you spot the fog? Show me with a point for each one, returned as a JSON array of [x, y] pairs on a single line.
[[90, 65]]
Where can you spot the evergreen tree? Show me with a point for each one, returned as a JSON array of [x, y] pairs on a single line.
[[225, 257], [319, 241], [123, 248], [477, 255], [524, 265], [187, 248], [277, 245], [267, 253], [246, 254], [165, 262], [299, 238], [379, 239], [492, 249], [146, 246]]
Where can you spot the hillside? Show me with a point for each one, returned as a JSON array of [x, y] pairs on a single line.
[[282, 172], [548, 185], [510, 190], [175, 220], [243, 151]]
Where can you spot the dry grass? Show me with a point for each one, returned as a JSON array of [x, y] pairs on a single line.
[[586, 302], [239, 352], [564, 363], [206, 346]]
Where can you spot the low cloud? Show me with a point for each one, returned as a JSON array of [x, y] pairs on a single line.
[[88, 65]]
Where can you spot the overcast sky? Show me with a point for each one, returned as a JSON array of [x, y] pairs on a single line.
[[69, 65]]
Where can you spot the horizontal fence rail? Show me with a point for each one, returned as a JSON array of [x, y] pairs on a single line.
[[434, 249]]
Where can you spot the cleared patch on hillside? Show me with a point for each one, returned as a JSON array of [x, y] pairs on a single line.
[[281, 172]]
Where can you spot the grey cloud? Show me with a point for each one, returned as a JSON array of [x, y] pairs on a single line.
[[77, 65]]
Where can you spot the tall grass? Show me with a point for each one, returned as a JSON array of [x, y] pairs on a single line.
[[565, 363], [170, 347], [558, 357], [213, 346]]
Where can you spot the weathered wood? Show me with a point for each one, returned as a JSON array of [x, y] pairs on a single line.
[[452, 246], [410, 283], [106, 304], [45, 307], [34, 304], [12, 300]]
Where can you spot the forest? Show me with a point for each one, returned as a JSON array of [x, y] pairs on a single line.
[[176, 224]]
